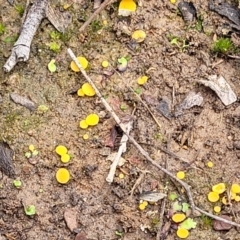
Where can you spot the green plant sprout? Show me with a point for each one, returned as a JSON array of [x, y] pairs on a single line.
[[2, 28], [19, 8], [30, 210], [54, 46], [17, 183], [223, 45], [181, 44], [55, 35], [28, 154]]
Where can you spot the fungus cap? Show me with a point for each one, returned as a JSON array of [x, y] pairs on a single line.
[[61, 150], [235, 188], [83, 124], [62, 175], [182, 233], [219, 188], [92, 119], [139, 36], [65, 158], [80, 93], [180, 175], [217, 209], [88, 90], [178, 217], [142, 80], [126, 7], [83, 62], [213, 197], [105, 64]]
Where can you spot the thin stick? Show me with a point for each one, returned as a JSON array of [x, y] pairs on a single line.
[[102, 6], [142, 151]]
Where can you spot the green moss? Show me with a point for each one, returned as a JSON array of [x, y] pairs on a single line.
[[96, 26], [2, 28], [19, 8], [54, 46], [223, 45], [206, 221]]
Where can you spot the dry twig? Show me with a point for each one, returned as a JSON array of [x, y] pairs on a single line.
[[102, 6], [142, 151]]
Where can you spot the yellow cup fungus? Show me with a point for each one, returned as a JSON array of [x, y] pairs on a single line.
[[121, 175], [224, 201], [210, 164], [217, 209], [62, 175], [83, 124], [139, 36], [142, 80], [178, 217], [173, 1], [61, 150], [180, 175], [213, 197], [88, 90], [219, 188], [86, 136], [92, 119], [31, 147], [237, 198], [182, 233], [143, 205], [80, 93], [126, 7], [105, 64], [82, 60], [65, 158], [232, 195], [235, 188]]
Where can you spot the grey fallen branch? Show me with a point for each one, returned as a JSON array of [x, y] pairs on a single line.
[[142, 151], [38, 11], [122, 149]]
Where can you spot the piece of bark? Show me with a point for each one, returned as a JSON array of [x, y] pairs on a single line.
[[23, 101], [220, 226], [6, 156]]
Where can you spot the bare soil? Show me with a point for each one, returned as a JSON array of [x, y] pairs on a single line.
[[209, 132]]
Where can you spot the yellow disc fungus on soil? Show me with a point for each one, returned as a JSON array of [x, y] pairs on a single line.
[[88, 90], [86, 136], [80, 93], [210, 164], [224, 201], [217, 209], [92, 119], [61, 150], [139, 36], [82, 60], [126, 7], [182, 233], [105, 64], [142, 80], [219, 188], [83, 124], [235, 188], [237, 198], [65, 158], [180, 175], [121, 175], [62, 175], [31, 147], [178, 217], [213, 197]]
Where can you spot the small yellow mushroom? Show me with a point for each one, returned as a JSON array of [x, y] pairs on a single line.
[[217, 209], [121, 175], [141, 206], [219, 188], [86, 136], [182, 233], [80, 93], [65, 158], [126, 7], [83, 124], [139, 36], [180, 175], [213, 197], [224, 201], [31, 147], [235, 188], [237, 198], [105, 64], [61, 150], [88, 90], [83, 62], [62, 175], [178, 217], [210, 164], [142, 80], [92, 119]]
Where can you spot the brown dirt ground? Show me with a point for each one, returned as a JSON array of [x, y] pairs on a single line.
[[210, 132]]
